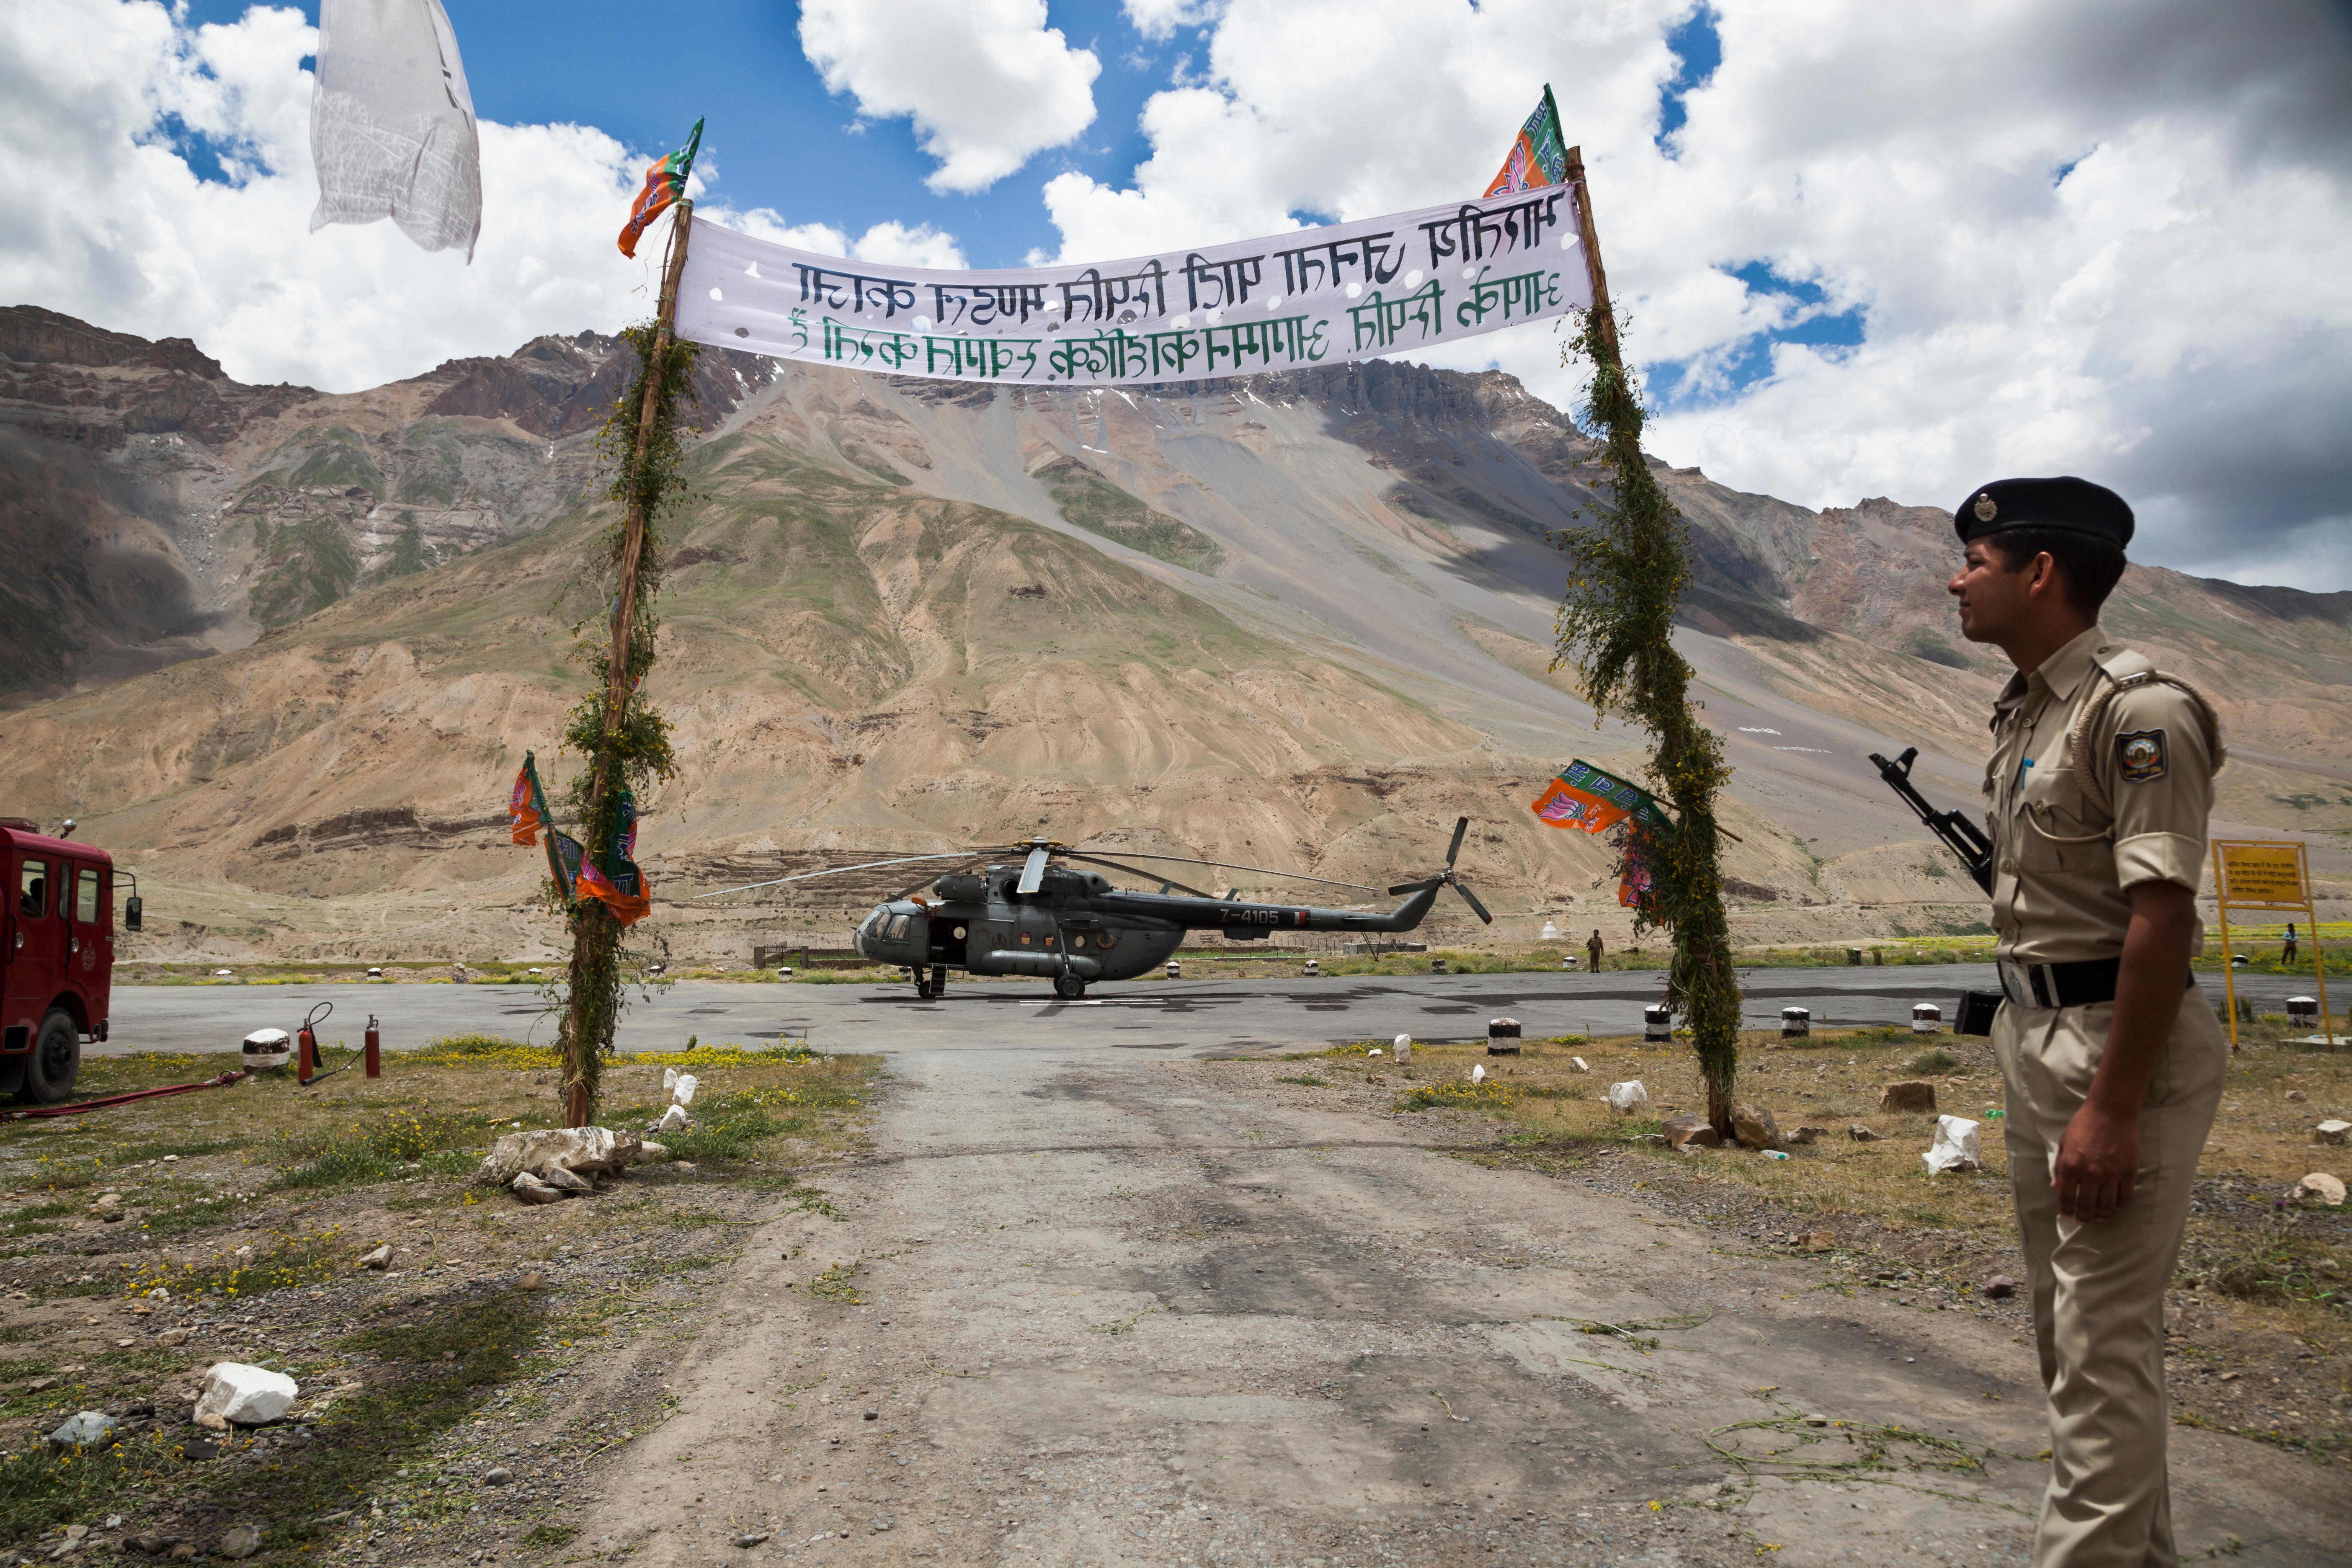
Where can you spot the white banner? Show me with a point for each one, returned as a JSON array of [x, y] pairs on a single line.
[[1408, 282]]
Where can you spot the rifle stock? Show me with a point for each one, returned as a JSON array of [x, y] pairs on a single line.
[[1960, 836]]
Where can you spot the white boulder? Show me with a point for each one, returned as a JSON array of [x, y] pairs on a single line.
[[589, 1150], [244, 1395], [1628, 1097], [2318, 1187], [671, 1119], [1402, 1046]]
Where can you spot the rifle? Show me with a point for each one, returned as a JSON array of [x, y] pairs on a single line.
[[1962, 836]]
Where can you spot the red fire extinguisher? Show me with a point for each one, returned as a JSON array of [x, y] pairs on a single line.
[[306, 1041], [374, 1049]]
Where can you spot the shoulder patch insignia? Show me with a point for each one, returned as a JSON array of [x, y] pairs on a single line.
[[2141, 753]]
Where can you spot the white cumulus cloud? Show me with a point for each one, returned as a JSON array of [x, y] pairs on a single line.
[[110, 223], [987, 83], [2172, 317]]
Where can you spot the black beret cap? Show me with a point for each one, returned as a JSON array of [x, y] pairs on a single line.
[[2075, 506]]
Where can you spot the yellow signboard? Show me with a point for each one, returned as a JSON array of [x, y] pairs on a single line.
[[2265, 875]]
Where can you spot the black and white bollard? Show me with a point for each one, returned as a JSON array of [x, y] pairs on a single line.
[[1927, 1018], [1796, 1023], [1657, 1023], [1437, 966], [1175, 969], [1313, 967], [2303, 1011], [1502, 1037], [1853, 956]]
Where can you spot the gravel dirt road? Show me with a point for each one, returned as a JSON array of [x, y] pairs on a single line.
[[1141, 1311]]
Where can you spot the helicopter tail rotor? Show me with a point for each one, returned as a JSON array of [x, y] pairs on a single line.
[[1449, 878]]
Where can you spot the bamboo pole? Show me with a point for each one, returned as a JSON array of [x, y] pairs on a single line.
[[1591, 240], [576, 1105]]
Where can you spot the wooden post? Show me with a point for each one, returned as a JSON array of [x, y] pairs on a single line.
[[589, 921], [1591, 240]]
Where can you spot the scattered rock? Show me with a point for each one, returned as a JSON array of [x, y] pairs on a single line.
[[1578, 1064], [874, 1415], [531, 1190], [1955, 1148], [1862, 1134], [497, 1475], [2318, 1187], [1690, 1128], [246, 1395], [94, 1429], [1999, 1288], [566, 1180], [211, 1421], [240, 1541], [534, 1281], [751, 1539], [1804, 1135], [186, 1549], [1913, 1095], [2331, 1132], [1754, 1127], [39, 1384], [594, 1150], [1817, 1241], [671, 1119], [381, 1258], [172, 1337], [2298, 1096], [152, 1545], [654, 1153]]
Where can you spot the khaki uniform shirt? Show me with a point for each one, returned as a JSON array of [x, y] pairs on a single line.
[[2062, 866]]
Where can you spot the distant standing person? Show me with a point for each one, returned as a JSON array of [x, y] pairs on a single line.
[[2286, 955], [2100, 784], [1597, 949]]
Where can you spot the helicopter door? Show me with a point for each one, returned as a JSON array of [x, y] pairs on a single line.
[[951, 940]]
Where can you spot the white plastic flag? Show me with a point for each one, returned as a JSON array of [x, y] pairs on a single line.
[[391, 124]]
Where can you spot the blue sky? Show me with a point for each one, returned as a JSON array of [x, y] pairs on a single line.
[[775, 138]]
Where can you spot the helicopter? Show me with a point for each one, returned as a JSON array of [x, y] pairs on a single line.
[[1069, 924]]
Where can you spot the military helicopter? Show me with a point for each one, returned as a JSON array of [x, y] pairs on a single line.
[[1061, 922]]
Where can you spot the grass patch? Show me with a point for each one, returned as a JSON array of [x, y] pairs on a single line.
[[2275, 1264], [1935, 1061], [364, 1151], [289, 1259], [1458, 1093], [1308, 1080]]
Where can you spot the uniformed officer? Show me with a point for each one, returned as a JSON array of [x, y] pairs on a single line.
[[2100, 784]]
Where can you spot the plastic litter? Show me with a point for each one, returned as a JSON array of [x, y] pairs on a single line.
[[1955, 1148], [1478, 1073], [1402, 1046], [1776, 1153], [1628, 1097]]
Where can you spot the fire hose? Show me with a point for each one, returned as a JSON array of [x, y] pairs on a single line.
[[112, 1101]]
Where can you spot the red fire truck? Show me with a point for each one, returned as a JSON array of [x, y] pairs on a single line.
[[57, 955]]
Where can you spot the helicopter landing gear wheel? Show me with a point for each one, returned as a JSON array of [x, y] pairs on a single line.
[[922, 986], [1069, 987], [938, 981]]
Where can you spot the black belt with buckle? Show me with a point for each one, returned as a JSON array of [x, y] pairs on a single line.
[[2083, 983]]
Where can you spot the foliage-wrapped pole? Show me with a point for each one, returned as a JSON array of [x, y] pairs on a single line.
[[624, 740], [1615, 625]]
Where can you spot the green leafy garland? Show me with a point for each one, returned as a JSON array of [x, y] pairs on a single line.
[[627, 750], [1626, 572]]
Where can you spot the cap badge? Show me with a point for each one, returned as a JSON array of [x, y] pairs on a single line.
[[1986, 508]]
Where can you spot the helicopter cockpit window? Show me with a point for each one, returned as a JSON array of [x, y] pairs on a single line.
[[897, 928]]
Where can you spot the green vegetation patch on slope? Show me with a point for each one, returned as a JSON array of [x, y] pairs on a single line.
[[1094, 503]]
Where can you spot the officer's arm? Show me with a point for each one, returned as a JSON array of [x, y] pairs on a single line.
[[2161, 798]]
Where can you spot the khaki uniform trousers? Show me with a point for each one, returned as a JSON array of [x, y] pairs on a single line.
[[2098, 1286]]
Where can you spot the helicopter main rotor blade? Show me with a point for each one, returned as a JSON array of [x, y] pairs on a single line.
[[1268, 871], [836, 871], [1136, 871], [1455, 849], [1033, 874], [1472, 899]]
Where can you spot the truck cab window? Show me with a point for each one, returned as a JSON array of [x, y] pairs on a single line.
[[32, 891], [86, 897]]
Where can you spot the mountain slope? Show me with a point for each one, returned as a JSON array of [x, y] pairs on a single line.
[[1297, 622]]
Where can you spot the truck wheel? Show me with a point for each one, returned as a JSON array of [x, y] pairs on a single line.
[[1069, 987], [56, 1060]]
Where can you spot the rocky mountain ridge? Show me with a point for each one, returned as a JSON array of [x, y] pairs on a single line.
[[1296, 621]]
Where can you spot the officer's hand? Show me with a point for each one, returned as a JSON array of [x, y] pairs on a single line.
[[2098, 1162]]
